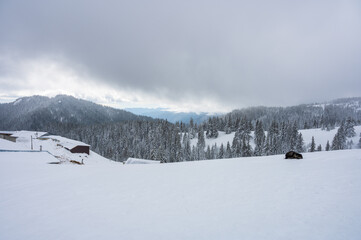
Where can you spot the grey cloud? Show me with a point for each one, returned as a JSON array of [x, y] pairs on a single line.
[[236, 52]]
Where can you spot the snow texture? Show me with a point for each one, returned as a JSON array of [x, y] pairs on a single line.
[[140, 161], [246, 198]]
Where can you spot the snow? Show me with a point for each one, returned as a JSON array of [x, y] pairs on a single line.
[[8, 145], [26, 135], [222, 138], [53, 145], [66, 142], [247, 198], [321, 137], [140, 161]]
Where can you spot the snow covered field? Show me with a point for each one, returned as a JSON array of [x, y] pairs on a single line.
[[321, 137], [247, 198]]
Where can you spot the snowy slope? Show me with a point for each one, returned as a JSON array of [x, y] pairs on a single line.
[[321, 137], [248, 198]]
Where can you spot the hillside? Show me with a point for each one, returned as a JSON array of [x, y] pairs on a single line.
[[320, 136], [246, 198], [38, 113]]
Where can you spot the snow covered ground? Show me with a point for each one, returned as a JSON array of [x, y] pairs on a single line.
[[321, 137], [247, 198], [23, 142]]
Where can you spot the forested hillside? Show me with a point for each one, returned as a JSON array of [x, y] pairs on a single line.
[[117, 134], [38, 113]]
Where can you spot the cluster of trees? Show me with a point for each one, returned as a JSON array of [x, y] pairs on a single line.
[[162, 140], [339, 142], [346, 130], [326, 117], [275, 132]]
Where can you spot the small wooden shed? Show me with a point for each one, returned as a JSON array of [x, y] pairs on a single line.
[[7, 135], [77, 148]]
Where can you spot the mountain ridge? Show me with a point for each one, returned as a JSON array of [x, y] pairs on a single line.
[[37, 111]]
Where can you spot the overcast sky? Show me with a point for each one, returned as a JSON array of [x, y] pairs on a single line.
[[186, 55]]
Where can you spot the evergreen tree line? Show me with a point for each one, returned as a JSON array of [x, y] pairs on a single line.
[[305, 116], [167, 142]]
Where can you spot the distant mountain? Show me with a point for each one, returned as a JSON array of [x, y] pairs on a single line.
[[38, 112], [169, 115]]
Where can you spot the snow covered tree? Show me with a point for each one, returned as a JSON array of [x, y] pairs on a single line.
[[327, 146], [313, 145], [228, 126], [246, 147], [187, 151], [274, 143], [339, 141], [259, 139], [208, 153], [212, 131], [221, 152], [228, 151], [235, 148], [201, 141], [319, 148], [349, 128], [299, 143]]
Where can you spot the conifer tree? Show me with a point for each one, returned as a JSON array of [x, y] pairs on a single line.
[[235, 149], [228, 127], [221, 152], [228, 151], [313, 145], [246, 147], [259, 139], [319, 148], [349, 128], [299, 144], [201, 141], [208, 153], [327, 146], [339, 141]]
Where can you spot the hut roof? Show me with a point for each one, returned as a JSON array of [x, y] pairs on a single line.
[[27, 134], [7, 132], [67, 143]]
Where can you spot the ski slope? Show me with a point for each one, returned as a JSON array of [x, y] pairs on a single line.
[[246, 198]]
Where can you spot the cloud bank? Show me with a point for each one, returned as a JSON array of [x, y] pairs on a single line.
[[195, 55]]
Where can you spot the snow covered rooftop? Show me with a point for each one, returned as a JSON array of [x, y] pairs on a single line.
[[140, 161], [7, 132], [66, 142], [28, 134]]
